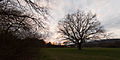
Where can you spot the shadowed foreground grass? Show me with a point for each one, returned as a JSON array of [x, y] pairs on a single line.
[[85, 54]]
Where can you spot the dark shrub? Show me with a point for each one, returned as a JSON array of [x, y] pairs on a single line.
[[13, 48]]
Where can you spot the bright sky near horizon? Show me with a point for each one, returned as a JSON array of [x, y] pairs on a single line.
[[108, 13]]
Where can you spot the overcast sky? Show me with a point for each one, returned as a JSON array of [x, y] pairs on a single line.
[[108, 12]]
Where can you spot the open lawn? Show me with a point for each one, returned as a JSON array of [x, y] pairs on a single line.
[[85, 54]]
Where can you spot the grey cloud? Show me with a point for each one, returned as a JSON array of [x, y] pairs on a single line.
[[108, 11]]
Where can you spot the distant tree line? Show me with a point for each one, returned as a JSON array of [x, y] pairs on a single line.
[[50, 45], [107, 43]]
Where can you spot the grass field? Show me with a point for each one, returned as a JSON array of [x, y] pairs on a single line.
[[85, 54]]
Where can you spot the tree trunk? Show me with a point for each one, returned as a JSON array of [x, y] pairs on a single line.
[[79, 46]]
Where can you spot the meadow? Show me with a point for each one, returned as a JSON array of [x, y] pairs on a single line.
[[84, 54]]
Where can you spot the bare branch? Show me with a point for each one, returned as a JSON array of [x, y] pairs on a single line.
[[80, 26]]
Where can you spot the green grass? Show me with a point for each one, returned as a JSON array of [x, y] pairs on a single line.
[[85, 54]]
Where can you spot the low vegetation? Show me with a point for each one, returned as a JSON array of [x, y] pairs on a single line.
[[13, 48]]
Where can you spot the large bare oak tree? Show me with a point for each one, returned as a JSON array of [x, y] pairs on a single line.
[[80, 26]]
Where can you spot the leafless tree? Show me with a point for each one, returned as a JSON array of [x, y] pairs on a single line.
[[16, 30], [17, 17], [10, 21], [80, 26], [28, 7]]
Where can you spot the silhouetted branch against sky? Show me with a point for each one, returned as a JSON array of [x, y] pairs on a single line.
[[81, 26], [107, 12], [30, 9]]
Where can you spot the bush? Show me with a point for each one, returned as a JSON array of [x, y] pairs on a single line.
[[13, 48]]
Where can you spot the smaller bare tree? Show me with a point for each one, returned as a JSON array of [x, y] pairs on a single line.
[[80, 26]]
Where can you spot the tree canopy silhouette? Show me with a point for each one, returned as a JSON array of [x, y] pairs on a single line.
[[20, 15], [80, 26], [18, 38]]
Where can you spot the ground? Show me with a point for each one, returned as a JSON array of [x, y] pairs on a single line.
[[85, 54]]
